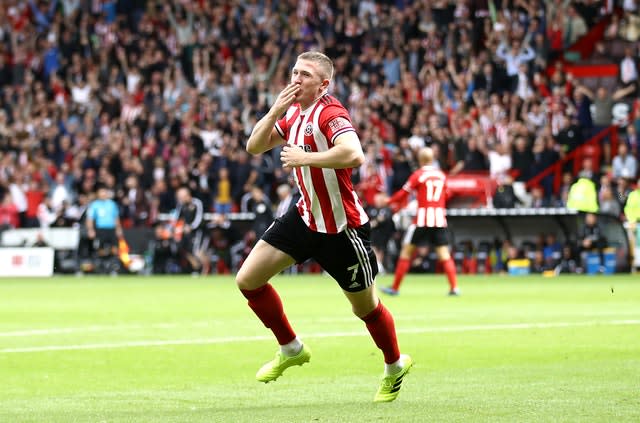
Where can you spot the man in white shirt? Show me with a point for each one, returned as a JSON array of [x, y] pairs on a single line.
[[60, 192], [629, 70], [19, 199], [499, 161], [513, 58], [624, 165]]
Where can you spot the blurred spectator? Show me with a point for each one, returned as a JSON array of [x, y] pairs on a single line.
[[608, 203], [60, 191], [565, 187], [9, 216], [223, 238], [286, 199], [538, 199], [134, 202], [371, 184], [630, 25], [223, 192], [591, 238], [35, 196], [613, 28], [622, 190], [505, 197], [568, 262], [382, 228], [514, 56], [551, 252], [256, 201], [47, 214], [629, 71], [574, 26], [19, 200], [603, 104], [521, 159], [624, 165], [190, 231], [40, 241], [163, 251], [471, 156], [499, 161], [571, 136], [632, 140], [582, 195]]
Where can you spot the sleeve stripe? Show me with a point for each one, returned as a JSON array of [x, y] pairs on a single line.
[[340, 132], [280, 131]]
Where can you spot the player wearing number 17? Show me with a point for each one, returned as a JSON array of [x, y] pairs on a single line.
[[328, 224], [430, 222]]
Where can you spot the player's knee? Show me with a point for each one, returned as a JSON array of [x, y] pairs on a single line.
[[363, 307], [242, 280]]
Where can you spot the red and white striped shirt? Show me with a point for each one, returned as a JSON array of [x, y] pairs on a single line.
[[429, 184], [328, 203]]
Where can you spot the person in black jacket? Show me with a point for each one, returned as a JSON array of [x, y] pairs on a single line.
[[592, 239], [505, 197], [190, 230]]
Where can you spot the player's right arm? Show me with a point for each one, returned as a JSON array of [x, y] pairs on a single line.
[[264, 136]]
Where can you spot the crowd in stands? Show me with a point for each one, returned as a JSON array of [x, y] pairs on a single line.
[[144, 96]]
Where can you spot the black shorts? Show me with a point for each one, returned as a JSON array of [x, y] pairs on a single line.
[[107, 238], [195, 242], [421, 235], [347, 256]]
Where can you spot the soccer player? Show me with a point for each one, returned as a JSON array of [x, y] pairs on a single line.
[[328, 223], [430, 222]]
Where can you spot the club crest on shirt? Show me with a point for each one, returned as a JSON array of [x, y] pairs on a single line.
[[308, 130], [339, 123]]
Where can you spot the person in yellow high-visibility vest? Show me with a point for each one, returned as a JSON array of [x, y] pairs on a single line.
[[583, 196], [632, 208], [632, 213]]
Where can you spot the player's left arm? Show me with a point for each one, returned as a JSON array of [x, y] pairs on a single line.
[[345, 153]]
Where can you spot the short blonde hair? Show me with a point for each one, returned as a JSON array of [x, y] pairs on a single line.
[[325, 64], [425, 156]]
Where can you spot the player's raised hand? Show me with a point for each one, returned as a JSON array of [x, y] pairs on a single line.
[[292, 156], [285, 99]]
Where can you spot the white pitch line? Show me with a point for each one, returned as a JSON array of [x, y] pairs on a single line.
[[212, 323], [96, 328], [234, 339]]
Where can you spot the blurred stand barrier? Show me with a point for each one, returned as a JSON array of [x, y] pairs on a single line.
[[526, 225], [477, 225], [57, 238], [37, 251]]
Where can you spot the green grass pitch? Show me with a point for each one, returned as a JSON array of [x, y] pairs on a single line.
[[182, 349]]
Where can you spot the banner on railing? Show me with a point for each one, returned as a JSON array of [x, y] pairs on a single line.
[[26, 262]]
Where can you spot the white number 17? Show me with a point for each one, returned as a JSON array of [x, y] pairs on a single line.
[[434, 189]]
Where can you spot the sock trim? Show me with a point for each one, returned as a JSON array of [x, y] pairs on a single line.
[[374, 314]]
